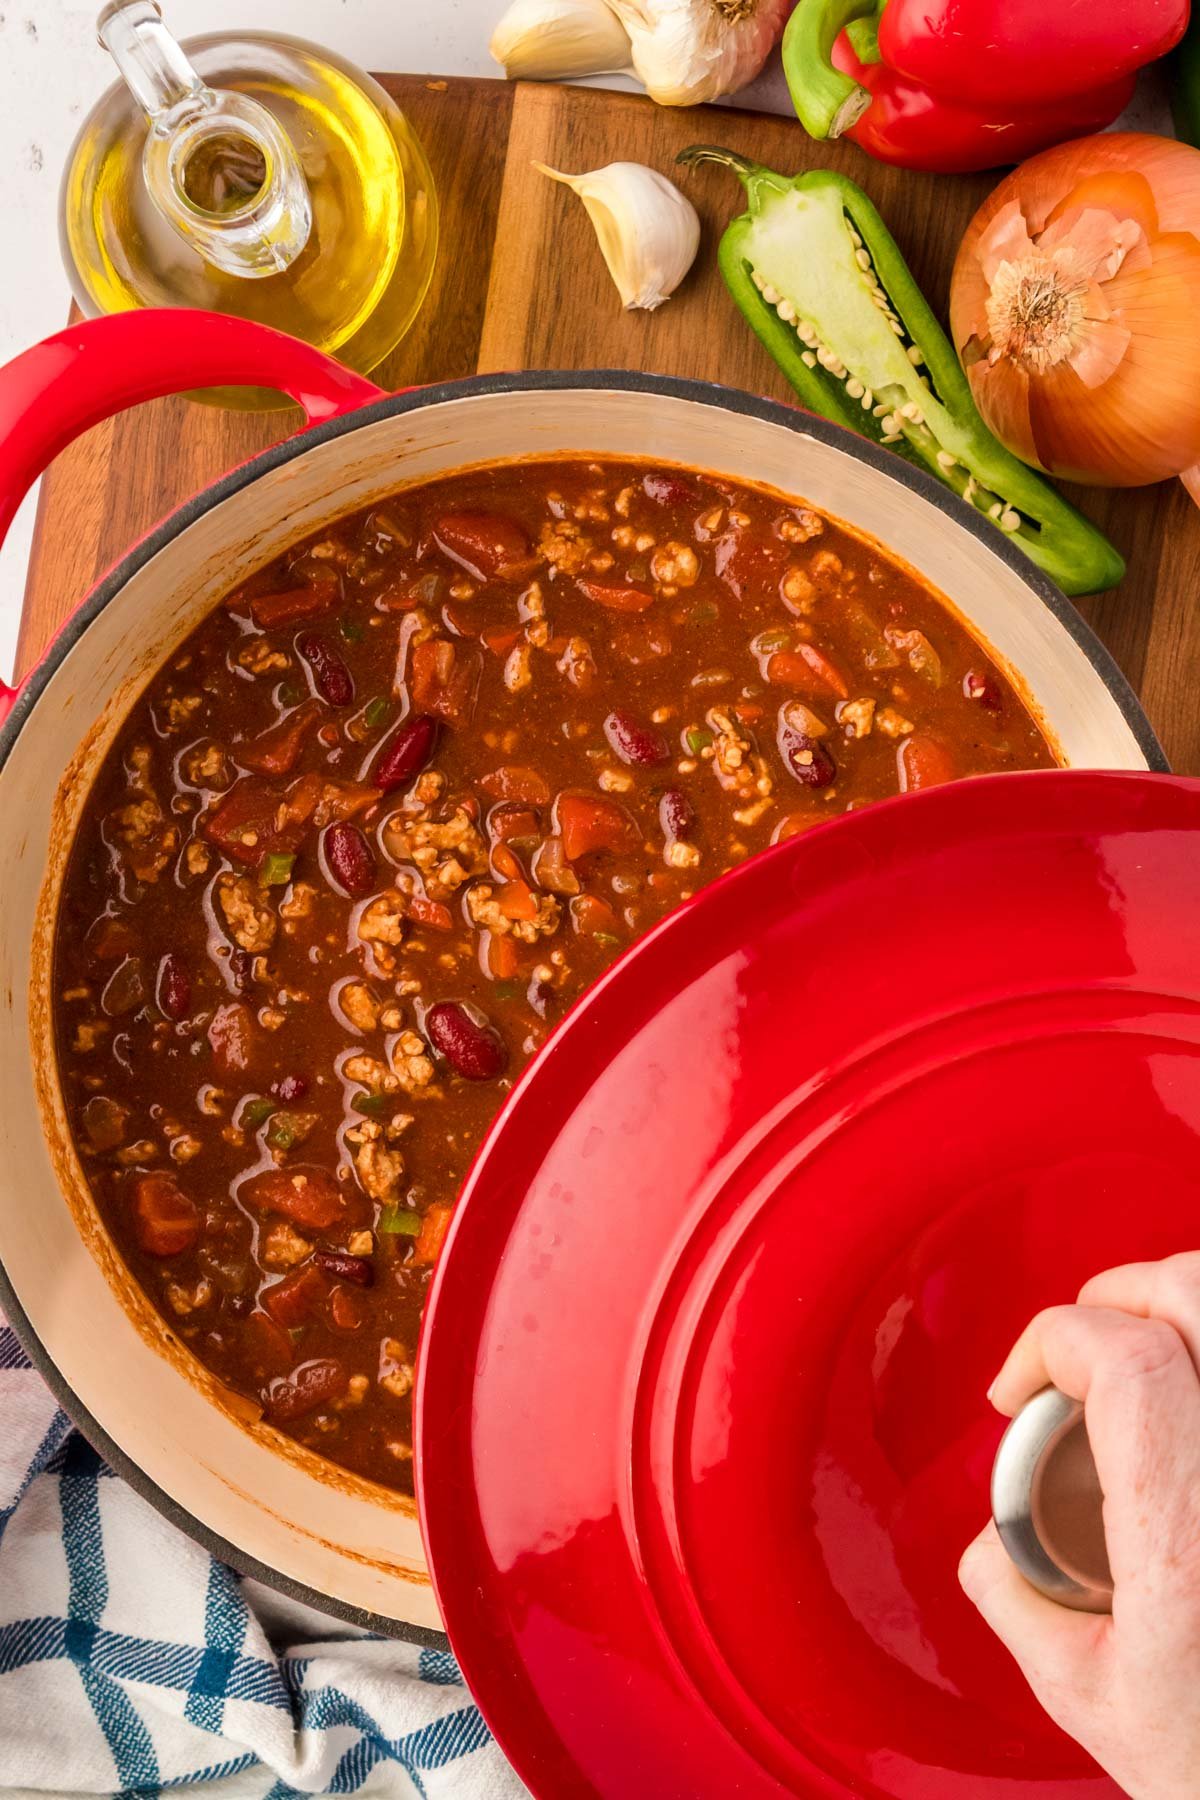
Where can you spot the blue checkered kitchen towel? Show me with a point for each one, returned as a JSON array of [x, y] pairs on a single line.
[[131, 1662]]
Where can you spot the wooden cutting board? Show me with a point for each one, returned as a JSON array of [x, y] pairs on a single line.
[[520, 284]]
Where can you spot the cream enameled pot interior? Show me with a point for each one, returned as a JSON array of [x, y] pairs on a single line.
[[343, 1541]]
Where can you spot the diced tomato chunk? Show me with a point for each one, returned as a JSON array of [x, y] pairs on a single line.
[[310, 1197], [509, 824], [485, 544], [617, 599], [295, 1299], [526, 786], [424, 911], [641, 641], [232, 1033], [434, 1226], [516, 900], [588, 822], [591, 916], [165, 1221], [443, 679], [347, 1308], [317, 800], [266, 1346], [505, 864], [500, 642], [924, 762], [271, 610], [744, 562], [275, 751], [246, 824], [313, 1384], [809, 669], [110, 940], [500, 956]]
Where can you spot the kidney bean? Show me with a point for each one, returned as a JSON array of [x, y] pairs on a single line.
[[344, 1267], [979, 686], [474, 1051], [634, 742], [349, 860], [669, 490], [331, 678], [407, 753], [676, 815], [313, 1384], [806, 756], [174, 992], [290, 1087]]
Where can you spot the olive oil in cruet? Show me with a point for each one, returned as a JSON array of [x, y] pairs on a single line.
[[251, 174]]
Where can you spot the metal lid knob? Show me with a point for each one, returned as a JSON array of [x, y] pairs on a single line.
[[1048, 1505]]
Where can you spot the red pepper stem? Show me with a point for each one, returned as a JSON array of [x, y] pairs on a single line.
[[827, 102]]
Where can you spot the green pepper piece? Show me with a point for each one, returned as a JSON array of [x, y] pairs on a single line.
[[286, 1130], [255, 1111], [860, 345], [373, 1106], [277, 868], [399, 1221], [377, 711]]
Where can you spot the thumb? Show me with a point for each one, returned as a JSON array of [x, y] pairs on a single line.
[[1062, 1654]]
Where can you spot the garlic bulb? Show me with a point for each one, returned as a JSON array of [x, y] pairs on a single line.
[[556, 40], [649, 234], [685, 51]]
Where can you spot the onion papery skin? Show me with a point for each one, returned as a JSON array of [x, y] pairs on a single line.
[[1093, 372]]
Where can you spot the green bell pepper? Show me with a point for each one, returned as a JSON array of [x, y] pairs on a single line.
[[821, 280]]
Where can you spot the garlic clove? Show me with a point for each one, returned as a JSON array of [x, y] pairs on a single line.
[[686, 51], [558, 40], [649, 233]]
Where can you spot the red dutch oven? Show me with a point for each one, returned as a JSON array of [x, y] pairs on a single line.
[[346, 1545]]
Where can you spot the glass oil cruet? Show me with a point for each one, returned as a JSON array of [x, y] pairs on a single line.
[[252, 174]]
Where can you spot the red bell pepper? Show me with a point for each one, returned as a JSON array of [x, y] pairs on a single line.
[[953, 85]]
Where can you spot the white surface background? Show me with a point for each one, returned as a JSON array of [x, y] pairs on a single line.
[[52, 70]]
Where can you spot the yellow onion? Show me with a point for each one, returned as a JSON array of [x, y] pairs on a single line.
[[1075, 310]]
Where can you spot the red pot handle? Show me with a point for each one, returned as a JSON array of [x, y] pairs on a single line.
[[73, 380]]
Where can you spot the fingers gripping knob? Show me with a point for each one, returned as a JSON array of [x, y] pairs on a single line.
[[1048, 1506]]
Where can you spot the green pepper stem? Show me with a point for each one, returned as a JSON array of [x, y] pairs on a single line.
[[729, 159], [827, 102]]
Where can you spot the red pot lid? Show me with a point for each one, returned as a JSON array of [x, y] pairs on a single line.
[[702, 1426]]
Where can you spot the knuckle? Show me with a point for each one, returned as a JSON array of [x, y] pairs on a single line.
[[1177, 1283], [1145, 1347]]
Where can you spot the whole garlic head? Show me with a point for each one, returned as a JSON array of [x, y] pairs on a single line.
[[649, 233], [686, 51], [557, 40]]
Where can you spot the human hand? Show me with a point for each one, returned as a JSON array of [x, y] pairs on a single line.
[[1127, 1687]]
